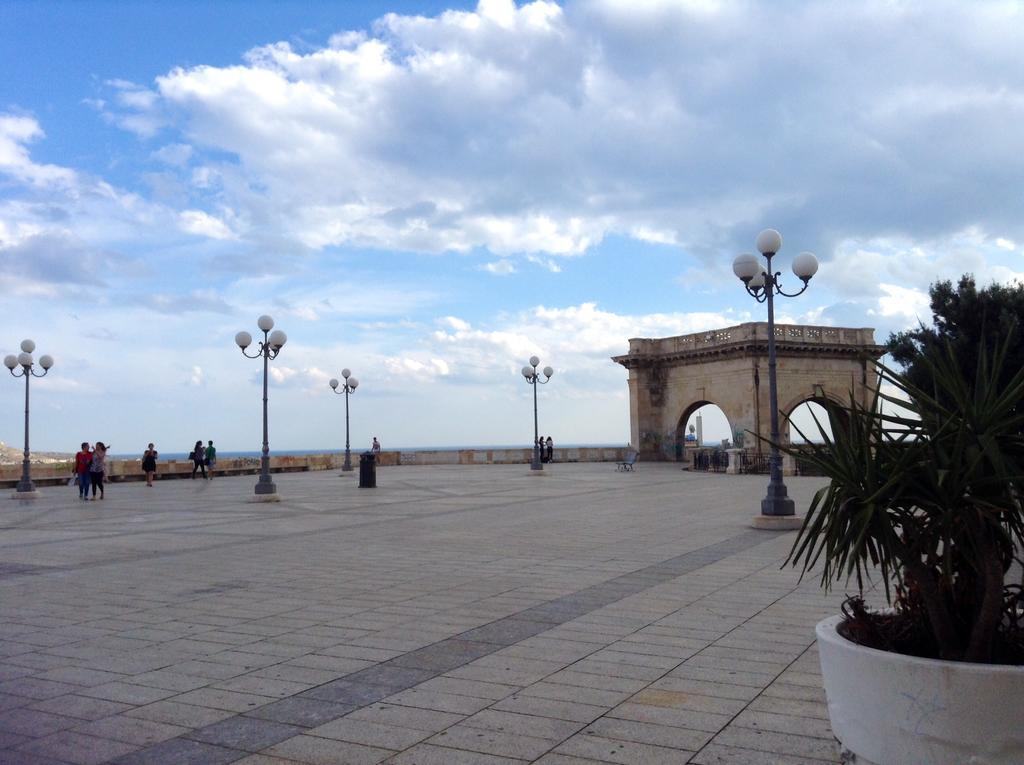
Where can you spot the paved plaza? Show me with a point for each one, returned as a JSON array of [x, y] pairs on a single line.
[[452, 615]]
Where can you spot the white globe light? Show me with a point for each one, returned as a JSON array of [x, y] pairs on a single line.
[[277, 339], [805, 265], [745, 266], [353, 383], [769, 241], [46, 362], [346, 373], [243, 340], [28, 346], [757, 281], [25, 359], [334, 382], [548, 371], [10, 361], [265, 323], [534, 361], [527, 372]]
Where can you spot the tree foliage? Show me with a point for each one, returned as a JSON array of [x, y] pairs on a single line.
[[967, 319]]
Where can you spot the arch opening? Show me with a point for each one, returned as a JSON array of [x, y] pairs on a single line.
[[808, 422], [703, 424]]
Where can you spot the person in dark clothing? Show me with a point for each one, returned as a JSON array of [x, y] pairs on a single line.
[[198, 460], [98, 467], [550, 444]]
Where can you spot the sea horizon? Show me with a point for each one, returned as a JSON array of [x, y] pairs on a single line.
[[229, 454]]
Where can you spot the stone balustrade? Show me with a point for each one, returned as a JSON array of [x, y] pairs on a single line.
[[50, 474]]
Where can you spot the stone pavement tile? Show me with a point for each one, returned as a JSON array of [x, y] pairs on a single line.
[[442, 702], [766, 672], [346, 692], [706, 688], [716, 754], [81, 676], [659, 697], [551, 758], [304, 712], [263, 686], [517, 746], [778, 743], [576, 694], [618, 751], [340, 665], [80, 706], [364, 653], [246, 733], [11, 740], [130, 729], [782, 690], [527, 725], [649, 733], [509, 672], [560, 710], [610, 669], [323, 751], [443, 656], [809, 679], [7, 701], [815, 727], [77, 748], [180, 751], [39, 661], [370, 734], [506, 631], [25, 758], [474, 688], [128, 693], [795, 707], [221, 699], [389, 677], [682, 718], [428, 754], [756, 680], [295, 674], [36, 688], [264, 759], [587, 680], [171, 680], [430, 720], [29, 722], [176, 713], [619, 655]]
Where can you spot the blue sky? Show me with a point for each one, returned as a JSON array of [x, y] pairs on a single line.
[[430, 192]]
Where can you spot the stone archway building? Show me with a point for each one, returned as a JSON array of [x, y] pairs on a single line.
[[671, 377]]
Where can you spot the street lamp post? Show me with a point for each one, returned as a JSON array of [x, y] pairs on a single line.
[[26, 489], [762, 282], [269, 349], [533, 378], [348, 388]]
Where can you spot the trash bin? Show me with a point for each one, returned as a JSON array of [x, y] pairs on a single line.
[[367, 470]]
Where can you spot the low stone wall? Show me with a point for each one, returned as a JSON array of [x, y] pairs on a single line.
[[52, 474]]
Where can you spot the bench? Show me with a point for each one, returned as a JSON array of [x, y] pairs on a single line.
[[628, 463]]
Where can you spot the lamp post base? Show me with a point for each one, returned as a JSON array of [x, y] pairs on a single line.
[[265, 498], [777, 522], [31, 494]]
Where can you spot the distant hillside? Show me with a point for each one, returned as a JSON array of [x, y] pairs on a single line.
[[10, 454]]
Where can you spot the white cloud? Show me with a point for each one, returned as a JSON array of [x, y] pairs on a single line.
[[177, 154], [903, 302], [203, 224], [1005, 244], [16, 132]]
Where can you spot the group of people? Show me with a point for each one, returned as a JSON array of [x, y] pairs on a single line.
[[203, 457], [90, 467], [546, 448]]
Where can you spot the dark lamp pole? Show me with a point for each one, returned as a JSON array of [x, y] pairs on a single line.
[[348, 388], [763, 284], [533, 379], [269, 348], [25, 488]]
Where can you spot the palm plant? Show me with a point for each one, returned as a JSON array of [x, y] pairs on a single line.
[[926, 491]]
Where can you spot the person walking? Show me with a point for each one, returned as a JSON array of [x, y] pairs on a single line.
[[375, 447], [149, 464], [97, 468], [198, 460], [211, 458], [550, 444], [82, 462]]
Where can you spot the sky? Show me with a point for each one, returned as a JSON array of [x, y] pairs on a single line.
[[428, 193]]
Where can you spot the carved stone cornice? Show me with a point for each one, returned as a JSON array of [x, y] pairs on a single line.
[[750, 339]]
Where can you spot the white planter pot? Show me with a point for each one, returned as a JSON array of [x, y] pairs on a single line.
[[888, 709]]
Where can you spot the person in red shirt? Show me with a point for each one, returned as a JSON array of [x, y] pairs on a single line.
[[83, 461]]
